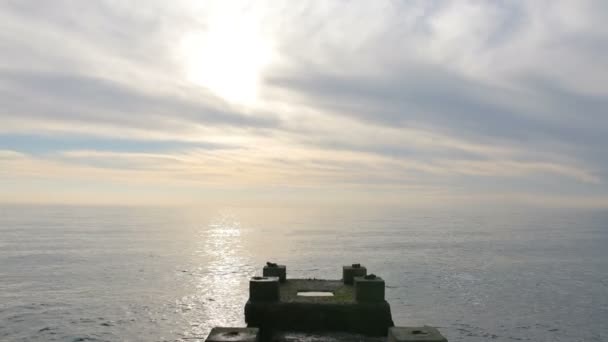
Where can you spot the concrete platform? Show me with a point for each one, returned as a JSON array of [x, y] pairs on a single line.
[[315, 310], [340, 312]]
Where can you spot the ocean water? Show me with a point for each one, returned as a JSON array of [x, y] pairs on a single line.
[[167, 274]]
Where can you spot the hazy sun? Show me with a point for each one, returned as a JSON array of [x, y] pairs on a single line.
[[228, 59]]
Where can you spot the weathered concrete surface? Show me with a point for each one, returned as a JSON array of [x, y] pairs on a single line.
[[342, 294], [221, 334], [340, 312], [415, 334]]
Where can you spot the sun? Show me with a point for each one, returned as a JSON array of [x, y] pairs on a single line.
[[228, 59]]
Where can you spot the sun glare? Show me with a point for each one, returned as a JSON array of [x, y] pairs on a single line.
[[227, 59]]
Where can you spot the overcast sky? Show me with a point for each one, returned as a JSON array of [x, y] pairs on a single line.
[[411, 102]]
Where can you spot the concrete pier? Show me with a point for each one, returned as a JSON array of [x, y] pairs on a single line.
[[313, 310], [339, 312], [337, 305]]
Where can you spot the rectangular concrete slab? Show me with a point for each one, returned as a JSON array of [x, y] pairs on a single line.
[[223, 334], [325, 336], [415, 334], [342, 293]]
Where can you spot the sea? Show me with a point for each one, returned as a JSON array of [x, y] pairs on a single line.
[[102, 273]]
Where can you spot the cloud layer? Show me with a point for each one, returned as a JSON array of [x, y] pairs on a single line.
[[439, 102]]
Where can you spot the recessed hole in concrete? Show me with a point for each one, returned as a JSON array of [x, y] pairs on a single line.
[[315, 294]]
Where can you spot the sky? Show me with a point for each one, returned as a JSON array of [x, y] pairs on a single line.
[[430, 103]]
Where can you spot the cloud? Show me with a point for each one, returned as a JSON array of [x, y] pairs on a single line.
[[443, 99], [76, 98], [492, 74], [538, 115]]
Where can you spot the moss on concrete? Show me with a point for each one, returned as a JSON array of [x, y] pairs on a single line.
[[343, 294]]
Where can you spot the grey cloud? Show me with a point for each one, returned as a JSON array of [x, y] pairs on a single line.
[[417, 96], [419, 153], [84, 98], [538, 116], [131, 30], [539, 111]]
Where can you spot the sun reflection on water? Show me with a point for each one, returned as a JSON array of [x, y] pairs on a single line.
[[221, 279]]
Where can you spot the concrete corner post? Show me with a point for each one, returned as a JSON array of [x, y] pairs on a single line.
[[264, 289], [274, 270], [352, 271], [369, 289]]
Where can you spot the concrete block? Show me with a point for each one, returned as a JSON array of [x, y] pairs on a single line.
[[220, 334], [369, 289], [338, 313], [264, 289], [352, 271], [274, 270], [415, 334]]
